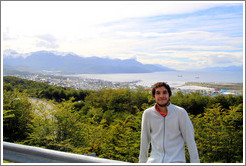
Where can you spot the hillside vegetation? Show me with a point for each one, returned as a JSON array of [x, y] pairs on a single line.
[[108, 122]]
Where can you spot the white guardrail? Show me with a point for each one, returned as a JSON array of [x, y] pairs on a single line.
[[30, 154]]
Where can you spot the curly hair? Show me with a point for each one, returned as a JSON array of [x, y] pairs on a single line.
[[160, 84]]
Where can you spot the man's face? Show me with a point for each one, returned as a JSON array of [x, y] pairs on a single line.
[[161, 96]]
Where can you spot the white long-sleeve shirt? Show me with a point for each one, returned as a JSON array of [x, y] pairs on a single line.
[[167, 136]]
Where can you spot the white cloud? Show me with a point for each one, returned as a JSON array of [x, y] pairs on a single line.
[[196, 48], [70, 17], [118, 29], [46, 41]]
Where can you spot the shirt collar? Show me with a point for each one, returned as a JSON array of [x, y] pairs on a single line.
[[162, 114]]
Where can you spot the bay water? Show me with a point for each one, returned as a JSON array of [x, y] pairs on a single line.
[[173, 78]]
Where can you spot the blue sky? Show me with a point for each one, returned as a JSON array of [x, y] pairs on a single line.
[[180, 35]]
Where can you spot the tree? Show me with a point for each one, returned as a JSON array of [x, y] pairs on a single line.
[[194, 103], [219, 134], [17, 116], [43, 124]]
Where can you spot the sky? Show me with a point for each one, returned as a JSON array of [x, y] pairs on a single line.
[[180, 35]]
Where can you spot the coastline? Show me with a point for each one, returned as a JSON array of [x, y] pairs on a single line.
[[231, 86]]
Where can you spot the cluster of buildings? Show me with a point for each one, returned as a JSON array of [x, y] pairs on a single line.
[[97, 84], [77, 82]]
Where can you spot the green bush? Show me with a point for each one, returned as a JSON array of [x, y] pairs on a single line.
[[108, 122]]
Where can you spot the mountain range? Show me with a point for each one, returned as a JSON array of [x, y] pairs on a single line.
[[70, 63]]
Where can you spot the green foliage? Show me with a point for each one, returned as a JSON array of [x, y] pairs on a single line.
[[219, 134], [43, 126], [5, 161], [226, 101], [31, 87], [17, 116], [108, 122], [194, 103], [43, 90]]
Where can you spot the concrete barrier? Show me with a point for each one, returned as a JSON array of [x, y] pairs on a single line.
[[29, 154]]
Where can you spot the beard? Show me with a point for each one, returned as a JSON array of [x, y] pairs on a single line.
[[163, 105]]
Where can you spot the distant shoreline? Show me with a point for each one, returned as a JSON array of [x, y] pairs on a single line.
[[231, 86]]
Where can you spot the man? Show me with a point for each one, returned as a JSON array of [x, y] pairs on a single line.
[[167, 127]]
